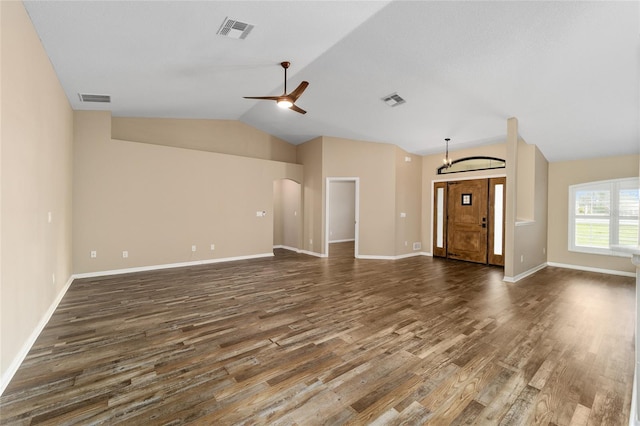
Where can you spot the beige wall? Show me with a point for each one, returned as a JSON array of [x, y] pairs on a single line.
[[430, 164], [525, 191], [222, 136], [374, 165], [36, 146], [561, 176], [530, 242], [156, 201], [310, 155], [408, 201]]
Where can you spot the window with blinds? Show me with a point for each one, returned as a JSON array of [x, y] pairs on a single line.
[[602, 214]]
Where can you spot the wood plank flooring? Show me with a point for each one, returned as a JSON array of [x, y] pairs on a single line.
[[300, 340]]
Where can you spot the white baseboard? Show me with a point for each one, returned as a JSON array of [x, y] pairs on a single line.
[[361, 256], [401, 256], [348, 240], [524, 274], [374, 257], [567, 266], [24, 351], [405, 256], [590, 269], [170, 265], [287, 248], [312, 253]]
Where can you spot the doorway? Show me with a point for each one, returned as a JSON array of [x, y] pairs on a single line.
[[287, 219], [342, 213], [469, 220]]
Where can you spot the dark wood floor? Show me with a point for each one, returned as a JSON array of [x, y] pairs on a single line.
[[301, 340]]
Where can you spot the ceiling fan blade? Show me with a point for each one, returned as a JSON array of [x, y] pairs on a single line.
[[269, 98], [297, 109], [298, 90]]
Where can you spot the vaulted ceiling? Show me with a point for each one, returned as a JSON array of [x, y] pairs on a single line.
[[569, 71]]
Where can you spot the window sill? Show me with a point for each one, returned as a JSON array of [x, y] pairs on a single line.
[[604, 252], [627, 250]]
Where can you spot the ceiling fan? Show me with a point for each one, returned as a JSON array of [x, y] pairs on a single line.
[[286, 100]]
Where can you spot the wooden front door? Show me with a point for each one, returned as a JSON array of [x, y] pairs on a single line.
[[467, 221]]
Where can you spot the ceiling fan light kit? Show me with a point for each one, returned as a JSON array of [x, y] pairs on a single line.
[[285, 103], [286, 100]]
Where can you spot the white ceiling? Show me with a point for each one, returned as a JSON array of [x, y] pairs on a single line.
[[569, 71]]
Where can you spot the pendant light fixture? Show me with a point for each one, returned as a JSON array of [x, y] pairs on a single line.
[[446, 160]]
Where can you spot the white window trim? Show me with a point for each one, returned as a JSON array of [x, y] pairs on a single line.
[[608, 184]]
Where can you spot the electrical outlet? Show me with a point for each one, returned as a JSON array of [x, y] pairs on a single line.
[[310, 241], [53, 278], [406, 243], [544, 250], [213, 247], [49, 217], [193, 248], [403, 214], [94, 254], [522, 258], [125, 254]]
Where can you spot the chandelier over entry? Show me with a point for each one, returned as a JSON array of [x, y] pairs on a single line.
[[446, 160]]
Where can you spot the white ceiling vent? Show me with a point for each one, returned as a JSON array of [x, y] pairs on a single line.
[[393, 100], [234, 29], [85, 97]]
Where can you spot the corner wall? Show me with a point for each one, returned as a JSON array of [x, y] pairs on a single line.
[[530, 242], [36, 165], [310, 155]]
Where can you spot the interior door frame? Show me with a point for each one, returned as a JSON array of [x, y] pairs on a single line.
[[356, 181], [452, 179]]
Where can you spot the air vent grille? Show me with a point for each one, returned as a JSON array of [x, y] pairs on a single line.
[[234, 29], [393, 100], [85, 97]]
